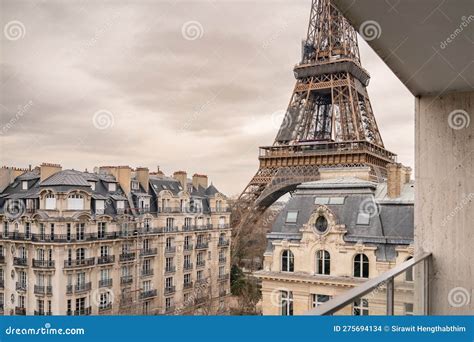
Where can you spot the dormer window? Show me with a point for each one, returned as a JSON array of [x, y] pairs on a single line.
[[50, 202], [92, 184], [135, 185], [113, 187], [24, 185], [321, 224], [291, 216], [75, 202]]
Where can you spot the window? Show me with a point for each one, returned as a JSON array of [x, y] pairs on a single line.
[[187, 278], [51, 231], [75, 202], [286, 303], [318, 299], [291, 216], [68, 232], [188, 221], [321, 200], [80, 231], [112, 187], [321, 224], [336, 200], [187, 242], [135, 186], [363, 218], [408, 309], [120, 205], [169, 223], [200, 275], [361, 266], [27, 230], [99, 206], [104, 251], [5, 229], [169, 242], [409, 272], [92, 184], [287, 261], [222, 222], [24, 185], [169, 282], [50, 203], [168, 303], [101, 227], [360, 307], [80, 254], [323, 262]]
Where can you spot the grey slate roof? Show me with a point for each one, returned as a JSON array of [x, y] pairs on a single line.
[[392, 225], [211, 190], [66, 177]]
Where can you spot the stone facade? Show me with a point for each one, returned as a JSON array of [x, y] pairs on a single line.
[[338, 232], [115, 241]]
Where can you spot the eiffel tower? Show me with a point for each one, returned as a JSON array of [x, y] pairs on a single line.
[[329, 120]]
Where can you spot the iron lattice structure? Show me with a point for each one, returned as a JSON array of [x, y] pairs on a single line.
[[329, 120]]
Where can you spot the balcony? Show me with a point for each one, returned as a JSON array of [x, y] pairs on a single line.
[[43, 263], [20, 311], [224, 226], [148, 294], [202, 245], [79, 263], [223, 243], [79, 288], [200, 263], [170, 249], [125, 280], [170, 210], [43, 290], [384, 281], [105, 307], [170, 309], [105, 282], [188, 247], [188, 266], [106, 259], [124, 257], [80, 312], [20, 261], [222, 260], [43, 313], [170, 289], [21, 286], [188, 285], [147, 272], [170, 229], [170, 269], [148, 251]]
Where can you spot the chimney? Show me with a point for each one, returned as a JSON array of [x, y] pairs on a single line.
[[199, 180], [143, 176], [122, 174], [398, 175], [182, 177], [6, 177], [48, 169]]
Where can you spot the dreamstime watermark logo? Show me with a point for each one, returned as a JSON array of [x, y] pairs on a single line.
[[22, 110], [46, 330], [276, 296], [192, 30], [102, 298], [14, 30], [275, 35], [369, 207], [280, 119], [466, 199], [459, 119], [458, 297], [103, 119], [370, 30], [465, 21], [14, 209]]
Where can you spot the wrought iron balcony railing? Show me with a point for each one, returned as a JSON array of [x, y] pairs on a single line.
[[19, 261], [148, 251], [127, 257], [43, 263], [148, 294], [170, 289], [43, 290], [202, 245], [21, 286], [125, 280], [106, 259], [383, 282], [170, 269], [20, 311], [170, 249], [105, 282], [201, 263], [188, 266], [79, 262]]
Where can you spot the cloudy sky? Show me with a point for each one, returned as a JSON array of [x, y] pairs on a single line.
[[190, 85]]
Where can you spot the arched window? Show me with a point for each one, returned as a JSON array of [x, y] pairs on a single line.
[[287, 261], [50, 201], [361, 266], [75, 202], [409, 272], [323, 262], [321, 224]]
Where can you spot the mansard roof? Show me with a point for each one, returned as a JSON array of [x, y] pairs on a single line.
[[392, 224]]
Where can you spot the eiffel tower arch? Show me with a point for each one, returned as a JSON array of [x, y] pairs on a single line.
[[329, 120]]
